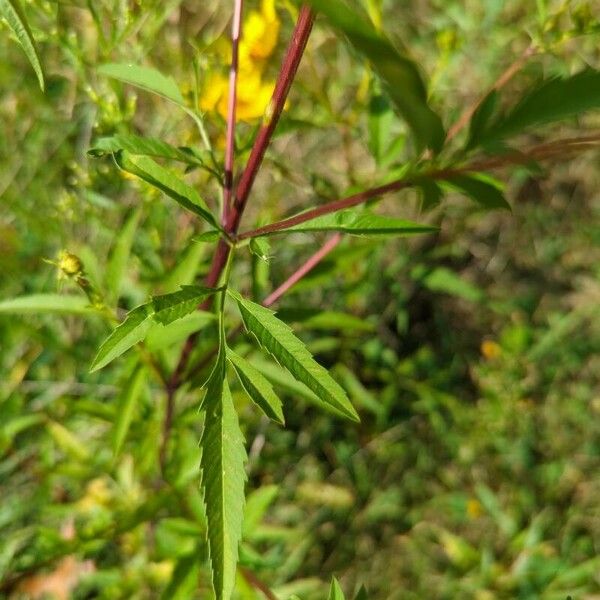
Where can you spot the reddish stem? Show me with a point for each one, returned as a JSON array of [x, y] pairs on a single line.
[[234, 214], [287, 74], [236, 30], [302, 271]]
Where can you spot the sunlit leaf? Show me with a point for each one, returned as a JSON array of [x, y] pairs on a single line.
[[278, 339], [399, 74], [257, 387], [135, 144], [166, 181], [47, 303], [170, 307], [223, 478], [145, 78], [335, 591], [12, 12], [358, 222], [131, 331]]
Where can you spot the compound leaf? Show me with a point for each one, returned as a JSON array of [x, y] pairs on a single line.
[[223, 478], [257, 387], [278, 340]]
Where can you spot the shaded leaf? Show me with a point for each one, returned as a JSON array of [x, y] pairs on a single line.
[[552, 100], [362, 594], [126, 408], [13, 13], [223, 478], [278, 339], [431, 194], [481, 119], [257, 387], [145, 78], [184, 579], [117, 263], [47, 303], [358, 222], [483, 192], [257, 504], [166, 181], [399, 74]]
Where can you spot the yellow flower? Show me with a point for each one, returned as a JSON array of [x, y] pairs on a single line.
[[490, 349], [260, 33], [253, 95], [474, 508], [259, 40]]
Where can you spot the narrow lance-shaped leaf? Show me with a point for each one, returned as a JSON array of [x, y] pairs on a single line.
[[136, 144], [47, 303], [162, 309], [223, 478], [550, 101], [13, 12], [117, 262], [358, 222], [335, 591], [278, 339], [126, 407], [257, 387], [170, 307], [163, 179], [145, 78], [130, 332], [398, 73], [483, 192]]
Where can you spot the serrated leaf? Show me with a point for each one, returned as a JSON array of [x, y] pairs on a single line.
[[13, 12], [166, 181], [358, 222], [126, 408], [483, 192], [278, 339], [135, 144], [550, 101], [145, 78], [399, 74], [335, 591], [222, 480], [47, 303], [170, 307], [117, 263], [257, 387], [131, 331]]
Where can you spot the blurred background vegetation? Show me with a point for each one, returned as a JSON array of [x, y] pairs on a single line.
[[473, 355]]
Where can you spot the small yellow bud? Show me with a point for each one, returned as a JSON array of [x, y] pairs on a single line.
[[490, 350], [69, 264]]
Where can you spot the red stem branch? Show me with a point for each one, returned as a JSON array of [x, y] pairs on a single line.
[[236, 30]]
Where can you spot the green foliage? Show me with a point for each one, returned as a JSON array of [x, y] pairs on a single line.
[[223, 477], [12, 12], [469, 354], [277, 339], [399, 74]]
